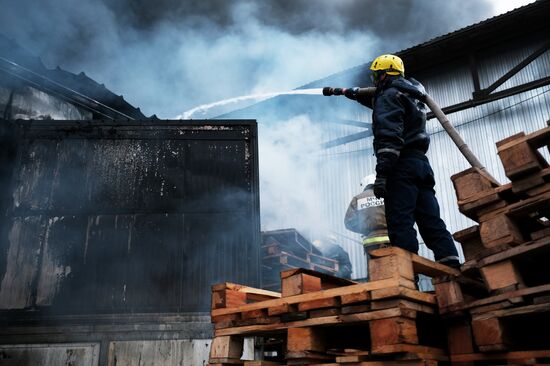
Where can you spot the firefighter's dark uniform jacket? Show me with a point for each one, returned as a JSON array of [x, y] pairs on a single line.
[[366, 216], [399, 120], [400, 144]]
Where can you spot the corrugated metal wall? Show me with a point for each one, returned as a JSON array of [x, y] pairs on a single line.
[[341, 168]]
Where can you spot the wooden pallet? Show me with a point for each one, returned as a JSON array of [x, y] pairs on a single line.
[[505, 320], [479, 195], [386, 320], [309, 295], [507, 275], [277, 258], [323, 262], [536, 357], [518, 328], [287, 259], [507, 226], [381, 339], [519, 155]]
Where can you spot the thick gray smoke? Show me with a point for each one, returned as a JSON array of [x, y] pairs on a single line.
[[167, 56], [288, 176]]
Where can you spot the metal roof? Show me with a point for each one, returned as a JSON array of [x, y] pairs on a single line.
[[476, 37], [20, 65]]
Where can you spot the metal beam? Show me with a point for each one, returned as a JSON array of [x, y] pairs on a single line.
[[494, 96], [346, 139], [351, 122], [514, 70], [474, 72]]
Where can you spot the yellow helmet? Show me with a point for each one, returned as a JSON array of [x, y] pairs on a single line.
[[391, 64]]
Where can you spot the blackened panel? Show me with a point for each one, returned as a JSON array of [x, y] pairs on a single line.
[[62, 257], [98, 285], [225, 159], [132, 217], [116, 174], [34, 176], [218, 248], [70, 176], [153, 267], [120, 174], [22, 250]]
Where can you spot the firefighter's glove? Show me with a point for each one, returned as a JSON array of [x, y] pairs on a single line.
[[379, 187], [385, 162], [351, 93]]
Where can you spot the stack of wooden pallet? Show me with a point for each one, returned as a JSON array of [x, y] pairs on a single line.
[[509, 250], [320, 319], [286, 249]]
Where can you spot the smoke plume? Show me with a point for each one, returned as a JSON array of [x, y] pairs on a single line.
[[168, 56], [288, 175]]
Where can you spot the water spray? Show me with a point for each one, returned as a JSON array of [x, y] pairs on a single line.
[[205, 107]]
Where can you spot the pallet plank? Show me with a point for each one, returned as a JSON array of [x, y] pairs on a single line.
[[368, 286], [339, 319]]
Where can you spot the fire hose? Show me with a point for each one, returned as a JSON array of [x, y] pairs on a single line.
[[438, 113]]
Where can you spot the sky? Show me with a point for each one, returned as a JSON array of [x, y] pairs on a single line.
[[169, 56]]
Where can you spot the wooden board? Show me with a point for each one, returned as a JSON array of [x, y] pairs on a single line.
[[229, 294], [327, 280], [299, 283], [501, 275], [412, 348], [501, 356], [519, 155], [460, 337], [330, 320], [470, 182], [502, 297], [391, 331], [500, 230], [226, 347], [490, 334], [528, 248], [420, 264], [368, 286], [306, 339]]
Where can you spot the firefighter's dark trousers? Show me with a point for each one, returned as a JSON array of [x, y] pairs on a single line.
[[410, 198]]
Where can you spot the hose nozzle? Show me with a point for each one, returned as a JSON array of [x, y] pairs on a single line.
[[328, 91]]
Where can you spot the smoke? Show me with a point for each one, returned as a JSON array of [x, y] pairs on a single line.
[[168, 56], [288, 176]]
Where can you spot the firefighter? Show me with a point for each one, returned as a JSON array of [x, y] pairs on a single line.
[[366, 216], [404, 177]]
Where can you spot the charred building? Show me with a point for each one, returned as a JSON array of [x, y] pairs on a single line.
[[114, 226]]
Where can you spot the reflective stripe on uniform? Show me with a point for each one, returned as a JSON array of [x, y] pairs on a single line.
[[449, 258], [393, 151], [376, 240]]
